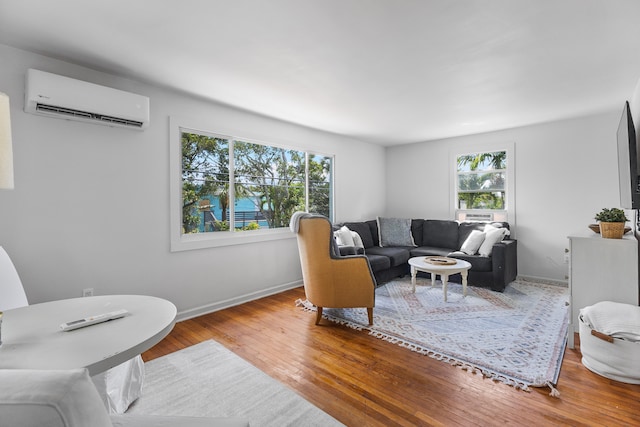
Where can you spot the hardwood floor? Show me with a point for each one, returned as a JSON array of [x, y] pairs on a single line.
[[363, 381]]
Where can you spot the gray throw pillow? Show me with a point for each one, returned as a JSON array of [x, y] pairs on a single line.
[[395, 232]]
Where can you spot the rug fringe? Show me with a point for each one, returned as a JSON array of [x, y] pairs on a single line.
[[305, 304], [433, 354]]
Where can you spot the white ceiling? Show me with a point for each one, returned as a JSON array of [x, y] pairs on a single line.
[[384, 71]]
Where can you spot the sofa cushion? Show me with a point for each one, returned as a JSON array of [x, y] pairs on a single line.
[[378, 262], [396, 255], [417, 230], [395, 232], [430, 251], [350, 250], [440, 234], [478, 262], [465, 228], [363, 231], [373, 227]]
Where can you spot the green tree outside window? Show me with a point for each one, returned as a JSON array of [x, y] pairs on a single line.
[[481, 180], [269, 184]]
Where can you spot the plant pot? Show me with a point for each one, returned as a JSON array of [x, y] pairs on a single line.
[[612, 230]]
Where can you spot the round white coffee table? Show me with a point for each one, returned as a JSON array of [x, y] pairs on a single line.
[[444, 270]]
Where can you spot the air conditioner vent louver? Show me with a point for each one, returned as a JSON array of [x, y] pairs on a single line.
[[66, 98], [479, 217], [83, 114]]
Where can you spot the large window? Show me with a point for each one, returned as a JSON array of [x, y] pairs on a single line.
[[234, 190], [484, 185]]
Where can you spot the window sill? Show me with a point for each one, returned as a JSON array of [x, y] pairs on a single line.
[[187, 242]]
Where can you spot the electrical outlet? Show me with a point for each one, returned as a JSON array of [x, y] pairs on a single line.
[[88, 292]]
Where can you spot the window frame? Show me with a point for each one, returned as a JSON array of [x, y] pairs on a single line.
[[507, 214], [191, 241]]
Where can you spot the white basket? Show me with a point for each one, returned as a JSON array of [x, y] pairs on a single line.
[[617, 361]]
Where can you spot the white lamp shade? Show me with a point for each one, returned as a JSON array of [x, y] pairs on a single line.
[[6, 151]]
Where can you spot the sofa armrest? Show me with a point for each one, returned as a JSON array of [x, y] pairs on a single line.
[[505, 263]]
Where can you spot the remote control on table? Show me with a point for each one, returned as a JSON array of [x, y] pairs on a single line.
[[92, 320]]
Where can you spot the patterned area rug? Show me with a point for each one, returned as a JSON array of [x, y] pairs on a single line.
[[517, 337]]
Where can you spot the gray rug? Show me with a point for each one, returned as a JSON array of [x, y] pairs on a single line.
[[209, 380], [517, 336]]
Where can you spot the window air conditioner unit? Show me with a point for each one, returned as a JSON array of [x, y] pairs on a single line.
[[479, 217], [62, 97]]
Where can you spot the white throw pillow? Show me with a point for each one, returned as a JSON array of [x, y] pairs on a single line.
[[473, 242], [345, 238], [357, 240], [492, 236]]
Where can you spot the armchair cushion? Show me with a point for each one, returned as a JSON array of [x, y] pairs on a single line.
[[51, 398]]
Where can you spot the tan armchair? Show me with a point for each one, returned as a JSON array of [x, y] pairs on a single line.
[[331, 280]]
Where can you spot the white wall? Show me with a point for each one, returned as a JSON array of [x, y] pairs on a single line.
[[566, 172], [90, 208]]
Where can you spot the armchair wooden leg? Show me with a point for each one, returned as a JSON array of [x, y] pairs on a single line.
[[370, 315], [318, 315]]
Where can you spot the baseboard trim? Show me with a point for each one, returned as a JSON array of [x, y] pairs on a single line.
[[231, 302], [536, 279]]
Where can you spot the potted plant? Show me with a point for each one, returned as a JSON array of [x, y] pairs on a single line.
[[611, 223]]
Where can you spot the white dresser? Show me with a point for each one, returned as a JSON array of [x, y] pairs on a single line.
[[601, 270]]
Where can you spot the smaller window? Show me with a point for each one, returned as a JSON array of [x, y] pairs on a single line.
[[481, 191]]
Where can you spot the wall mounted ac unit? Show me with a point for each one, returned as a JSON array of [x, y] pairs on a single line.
[[52, 95]]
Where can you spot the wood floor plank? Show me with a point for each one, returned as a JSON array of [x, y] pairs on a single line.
[[364, 381]]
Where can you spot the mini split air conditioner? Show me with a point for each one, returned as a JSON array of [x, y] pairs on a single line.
[[62, 97]]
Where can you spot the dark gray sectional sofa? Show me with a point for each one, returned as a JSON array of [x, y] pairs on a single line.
[[443, 238]]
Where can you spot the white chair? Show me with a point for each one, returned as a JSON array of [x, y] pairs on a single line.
[[11, 291], [118, 387], [68, 398]]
